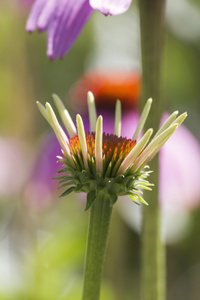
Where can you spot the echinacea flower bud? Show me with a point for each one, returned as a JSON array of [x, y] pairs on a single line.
[[106, 165]]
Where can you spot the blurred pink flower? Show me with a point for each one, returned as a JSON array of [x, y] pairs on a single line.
[[179, 171], [40, 188], [64, 20], [14, 166]]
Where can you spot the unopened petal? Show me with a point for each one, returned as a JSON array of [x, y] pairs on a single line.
[[135, 151], [154, 146], [61, 136], [143, 118], [98, 144], [82, 139], [65, 116], [92, 111], [110, 7], [167, 123], [43, 111], [118, 118], [180, 119]]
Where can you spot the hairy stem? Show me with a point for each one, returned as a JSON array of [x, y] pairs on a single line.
[[100, 216]]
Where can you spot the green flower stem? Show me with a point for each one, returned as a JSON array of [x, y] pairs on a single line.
[[100, 216], [153, 252]]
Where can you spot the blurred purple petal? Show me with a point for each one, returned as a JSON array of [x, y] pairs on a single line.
[[129, 123], [68, 22], [38, 6], [111, 7], [47, 14], [40, 187], [63, 20]]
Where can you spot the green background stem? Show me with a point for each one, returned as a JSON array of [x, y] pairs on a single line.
[[153, 252], [100, 215]]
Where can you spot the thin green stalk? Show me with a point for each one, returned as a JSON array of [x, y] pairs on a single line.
[[100, 215], [153, 252]]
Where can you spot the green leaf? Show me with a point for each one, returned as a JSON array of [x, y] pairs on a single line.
[[90, 199], [67, 192]]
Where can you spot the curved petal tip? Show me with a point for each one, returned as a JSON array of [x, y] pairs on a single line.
[[110, 7]]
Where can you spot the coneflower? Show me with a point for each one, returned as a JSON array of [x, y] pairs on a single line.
[[104, 166], [98, 163]]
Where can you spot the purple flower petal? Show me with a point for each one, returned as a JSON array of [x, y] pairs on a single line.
[[47, 14], [63, 20], [69, 20], [110, 7], [38, 6]]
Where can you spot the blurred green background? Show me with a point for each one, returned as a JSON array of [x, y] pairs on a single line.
[[42, 249]]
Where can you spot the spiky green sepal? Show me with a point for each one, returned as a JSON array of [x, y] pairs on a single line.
[[97, 185]]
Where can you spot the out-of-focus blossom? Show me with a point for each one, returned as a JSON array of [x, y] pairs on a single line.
[[13, 166], [183, 179], [64, 20], [106, 88]]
